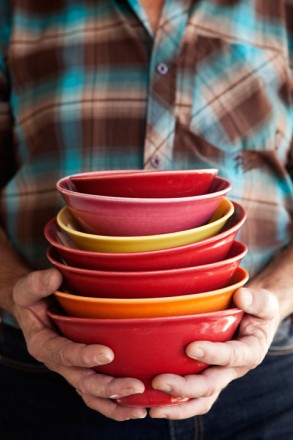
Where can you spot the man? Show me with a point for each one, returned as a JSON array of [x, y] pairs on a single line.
[[128, 84]]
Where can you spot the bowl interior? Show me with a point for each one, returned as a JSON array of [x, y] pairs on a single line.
[[175, 183]]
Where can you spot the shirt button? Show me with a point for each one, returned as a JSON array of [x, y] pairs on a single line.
[[162, 68], [155, 161]]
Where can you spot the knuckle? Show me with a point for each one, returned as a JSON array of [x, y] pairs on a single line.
[[236, 358], [64, 355], [85, 356], [267, 303], [34, 351], [211, 390], [89, 401], [206, 406], [115, 415], [33, 282], [101, 389]]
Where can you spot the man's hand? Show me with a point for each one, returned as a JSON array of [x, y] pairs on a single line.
[[73, 361], [230, 360]]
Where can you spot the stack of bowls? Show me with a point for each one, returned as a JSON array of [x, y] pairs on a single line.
[[150, 262]]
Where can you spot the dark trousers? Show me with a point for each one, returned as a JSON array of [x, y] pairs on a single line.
[[36, 404]]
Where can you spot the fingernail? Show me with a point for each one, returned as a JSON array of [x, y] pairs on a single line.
[[159, 416], [103, 358], [114, 396], [197, 353], [141, 416], [165, 387], [130, 391]]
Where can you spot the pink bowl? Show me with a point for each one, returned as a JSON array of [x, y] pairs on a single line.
[[149, 284], [145, 184], [137, 346], [130, 216], [203, 252]]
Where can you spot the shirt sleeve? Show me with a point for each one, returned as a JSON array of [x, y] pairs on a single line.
[[6, 120]]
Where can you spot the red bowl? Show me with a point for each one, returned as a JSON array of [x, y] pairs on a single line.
[[137, 346], [206, 251], [149, 284], [145, 184], [133, 216]]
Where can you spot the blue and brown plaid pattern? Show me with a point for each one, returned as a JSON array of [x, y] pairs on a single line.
[[85, 85]]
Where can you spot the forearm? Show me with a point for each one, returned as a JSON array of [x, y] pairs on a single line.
[[277, 277], [12, 268]]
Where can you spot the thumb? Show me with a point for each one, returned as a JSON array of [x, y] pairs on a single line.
[[36, 286], [258, 302]]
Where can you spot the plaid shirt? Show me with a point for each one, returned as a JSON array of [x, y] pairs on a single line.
[[85, 85]]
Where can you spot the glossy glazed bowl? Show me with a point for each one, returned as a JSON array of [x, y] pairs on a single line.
[[145, 184], [202, 252], [146, 347], [105, 243], [149, 284], [88, 307], [130, 216]]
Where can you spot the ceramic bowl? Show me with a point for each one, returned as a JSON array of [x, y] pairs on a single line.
[[206, 251], [146, 347], [88, 307], [131, 216], [105, 243], [149, 284], [202, 252], [145, 184]]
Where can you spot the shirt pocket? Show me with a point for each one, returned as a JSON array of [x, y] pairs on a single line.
[[239, 95]]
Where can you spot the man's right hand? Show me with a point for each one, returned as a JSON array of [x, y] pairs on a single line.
[[73, 361]]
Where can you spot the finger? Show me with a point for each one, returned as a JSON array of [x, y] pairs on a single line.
[[257, 302], [47, 346], [35, 286], [247, 352], [205, 384], [91, 383], [111, 409], [191, 408], [97, 391], [115, 411]]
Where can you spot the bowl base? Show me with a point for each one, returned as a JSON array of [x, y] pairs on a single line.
[[150, 398]]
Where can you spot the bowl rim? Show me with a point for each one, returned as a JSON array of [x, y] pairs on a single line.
[[156, 300], [123, 274], [150, 320], [146, 238], [131, 172], [60, 186], [198, 244]]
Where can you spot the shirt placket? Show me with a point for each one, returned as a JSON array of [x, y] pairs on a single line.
[[161, 120]]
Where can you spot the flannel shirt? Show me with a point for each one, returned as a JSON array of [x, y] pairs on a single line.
[[86, 85]]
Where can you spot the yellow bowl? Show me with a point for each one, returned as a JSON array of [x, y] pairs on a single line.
[[89, 307], [105, 243]]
